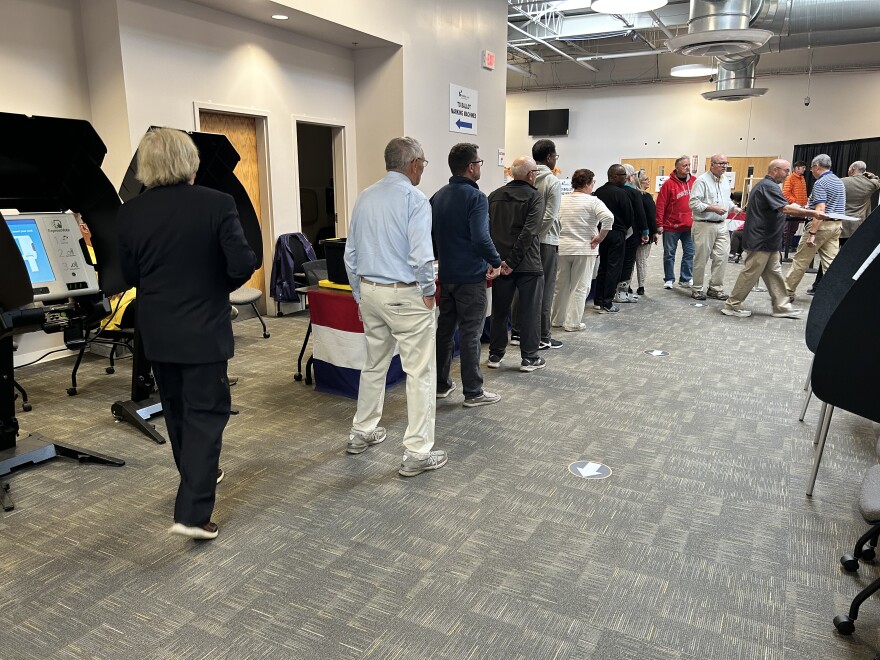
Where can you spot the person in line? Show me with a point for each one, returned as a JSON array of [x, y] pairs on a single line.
[[654, 232], [822, 236], [515, 213], [795, 192], [467, 258], [710, 202], [638, 236], [612, 248], [675, 221], [860, 186], [389, 260], [579, 237], [765, 221], [183, 309], [544, 154]]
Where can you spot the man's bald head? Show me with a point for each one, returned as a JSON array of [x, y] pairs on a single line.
[[779, 169], [523, 169]]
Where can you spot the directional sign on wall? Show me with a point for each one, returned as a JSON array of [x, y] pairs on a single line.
[[462, 110]]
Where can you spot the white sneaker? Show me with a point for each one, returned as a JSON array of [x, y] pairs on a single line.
[[668, 284], [790, 314], [581, 326], [740, 313]]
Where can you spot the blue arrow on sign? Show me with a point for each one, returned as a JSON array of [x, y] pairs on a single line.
[[590, 470], [463, 124]]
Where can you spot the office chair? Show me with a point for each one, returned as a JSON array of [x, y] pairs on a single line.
[[25, 405], [247, 295], [315, 271]]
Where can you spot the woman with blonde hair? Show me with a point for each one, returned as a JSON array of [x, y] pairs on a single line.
[[183, 247], [580, 215], [644, 250]]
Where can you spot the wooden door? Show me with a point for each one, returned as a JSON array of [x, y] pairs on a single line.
[[242, 133], [654, 167], [741, 164]]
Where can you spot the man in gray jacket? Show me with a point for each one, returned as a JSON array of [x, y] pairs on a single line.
[[860, 186], [515, 213]]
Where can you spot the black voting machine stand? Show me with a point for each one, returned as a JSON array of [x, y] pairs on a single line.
[[48, 165], [842, 333], [217, 160]]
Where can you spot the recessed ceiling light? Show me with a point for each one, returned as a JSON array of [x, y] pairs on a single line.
[[626, 6], [692, 70], [280, 17]]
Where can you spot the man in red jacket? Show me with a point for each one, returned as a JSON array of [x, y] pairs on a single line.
[[674, 221]]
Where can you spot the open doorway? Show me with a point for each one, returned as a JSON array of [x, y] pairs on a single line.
[[319, 148]]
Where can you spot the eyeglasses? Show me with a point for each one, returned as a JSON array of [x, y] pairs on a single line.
[[421, 159], [556, 156], [534, 171], [721, 162], [477, 162]]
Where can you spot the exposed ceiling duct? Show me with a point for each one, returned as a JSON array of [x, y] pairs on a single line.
[[719, 27], [736, 79]]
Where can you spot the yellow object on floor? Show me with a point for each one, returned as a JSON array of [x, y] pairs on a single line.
[[327, 284]]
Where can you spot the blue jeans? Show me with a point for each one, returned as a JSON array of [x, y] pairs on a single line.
[[670, 240]]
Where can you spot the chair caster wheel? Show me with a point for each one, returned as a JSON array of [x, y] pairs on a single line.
[[849, 563], [844, 625], [265, 335], [71, 391], [297, 377], [868, 553], [110, 370], [26, 407]]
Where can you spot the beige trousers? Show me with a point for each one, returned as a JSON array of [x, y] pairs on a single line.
[[827, 245], [642, 255], [711, 240], [765, 265], [398, 316], [573, 275]]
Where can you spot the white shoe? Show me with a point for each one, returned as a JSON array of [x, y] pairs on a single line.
[[790, 314], [740, 313], [668, 284], [581, 326]]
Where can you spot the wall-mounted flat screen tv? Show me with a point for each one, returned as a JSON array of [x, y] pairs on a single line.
[[548, 122]]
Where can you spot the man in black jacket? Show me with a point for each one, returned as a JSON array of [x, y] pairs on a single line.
[[182, 246], [515, 213], [611, 250], [467, 258]]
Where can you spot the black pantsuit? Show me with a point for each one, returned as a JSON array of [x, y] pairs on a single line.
[[462, 306], [195, 402], [530, 287], [611, 254]]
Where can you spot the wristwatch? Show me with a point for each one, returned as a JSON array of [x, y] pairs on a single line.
[[811, 233]]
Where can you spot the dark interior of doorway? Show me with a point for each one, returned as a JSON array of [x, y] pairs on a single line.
[[316, 196]]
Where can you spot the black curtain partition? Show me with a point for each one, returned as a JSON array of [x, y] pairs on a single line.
[[843, 154]]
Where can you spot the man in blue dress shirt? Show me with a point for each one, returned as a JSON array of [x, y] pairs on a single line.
[[390, 263]]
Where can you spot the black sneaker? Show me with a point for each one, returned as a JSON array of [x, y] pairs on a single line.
[[640, 291], [551, 343], [442, 394], [611, 309], [530, 364], [494, 361], [220, 475], [514, 339]]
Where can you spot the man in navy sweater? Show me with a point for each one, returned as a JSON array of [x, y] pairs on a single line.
[[467, 259]]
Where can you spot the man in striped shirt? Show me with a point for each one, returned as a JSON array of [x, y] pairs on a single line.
[[822, 236]]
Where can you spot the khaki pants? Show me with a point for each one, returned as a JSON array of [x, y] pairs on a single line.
[[757, 265], [827, 245], [398, 316], [573, 277], [711, 240]]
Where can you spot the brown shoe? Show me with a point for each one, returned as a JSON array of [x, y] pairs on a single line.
[[204, 532]]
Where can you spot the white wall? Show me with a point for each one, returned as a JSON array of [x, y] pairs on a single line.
[[175, 54], [667, 120], [442, 41]]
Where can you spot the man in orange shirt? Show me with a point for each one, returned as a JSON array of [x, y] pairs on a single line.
[[795, 192]]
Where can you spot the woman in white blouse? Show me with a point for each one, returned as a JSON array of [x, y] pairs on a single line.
[[579, 214]]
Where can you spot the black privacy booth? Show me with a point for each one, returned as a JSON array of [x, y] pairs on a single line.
[[47, 166], [842, 331], [217, 161]]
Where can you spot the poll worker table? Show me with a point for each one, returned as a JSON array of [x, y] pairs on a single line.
[[339, 344]]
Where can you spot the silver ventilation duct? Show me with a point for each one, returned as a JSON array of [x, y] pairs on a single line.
[[719, 27], [736, 79]]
